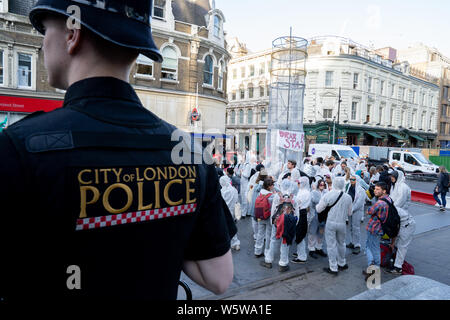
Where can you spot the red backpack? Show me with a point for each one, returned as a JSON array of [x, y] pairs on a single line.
[[262, 207]]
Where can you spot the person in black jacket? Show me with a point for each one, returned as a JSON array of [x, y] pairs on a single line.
[[385, 177], [441, 188]]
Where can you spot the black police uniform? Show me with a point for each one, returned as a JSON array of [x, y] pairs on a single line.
[[93, 185]]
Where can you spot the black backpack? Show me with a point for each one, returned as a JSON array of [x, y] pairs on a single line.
[[391, 226]]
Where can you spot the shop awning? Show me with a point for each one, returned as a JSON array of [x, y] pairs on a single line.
[[397, 136], [417, 137], [374, 134]]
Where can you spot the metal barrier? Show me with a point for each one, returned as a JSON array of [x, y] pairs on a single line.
[[186, 289]]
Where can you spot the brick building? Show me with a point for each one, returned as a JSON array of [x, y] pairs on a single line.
[[190, 36]]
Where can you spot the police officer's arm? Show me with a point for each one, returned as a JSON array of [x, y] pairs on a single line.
[[207, 258], [213, 274]]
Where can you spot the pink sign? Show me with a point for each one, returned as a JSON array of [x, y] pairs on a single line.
[[291, 140]]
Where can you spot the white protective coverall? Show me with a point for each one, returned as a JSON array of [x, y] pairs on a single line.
[[286, 189], [335, 228], [401, 192], [405, 235], [264, 229], [245, 176], [357, 213], [315, 237], [231, 197], [303, 200]]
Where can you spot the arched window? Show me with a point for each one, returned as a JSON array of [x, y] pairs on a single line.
[[208, 70], [241, 116], [221, 71], [233, 117], [169, 67]]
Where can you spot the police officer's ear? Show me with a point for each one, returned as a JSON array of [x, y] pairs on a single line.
[[73, 39]]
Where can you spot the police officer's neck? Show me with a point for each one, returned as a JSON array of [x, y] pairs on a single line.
[[92, 69]]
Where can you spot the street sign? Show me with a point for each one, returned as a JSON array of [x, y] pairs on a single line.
[[195, 116]]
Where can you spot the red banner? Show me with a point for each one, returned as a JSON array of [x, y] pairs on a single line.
[[28, 105]]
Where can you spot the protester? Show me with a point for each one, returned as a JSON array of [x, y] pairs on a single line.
[[335, 228], [378, 213], [246, 169], [400, 191], [329, 181], [231, 197], [442, 188], [264, 228], [303, 200], [254, 190], [384, 177], [316, 230], [286, 196], [356, 192], [235, 181]]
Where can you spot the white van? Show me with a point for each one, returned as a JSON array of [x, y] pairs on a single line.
[[414, 162], [327, 150]]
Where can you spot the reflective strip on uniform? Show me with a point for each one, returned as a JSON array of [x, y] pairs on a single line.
[[133, 217]]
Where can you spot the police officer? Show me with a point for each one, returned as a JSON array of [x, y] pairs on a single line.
[[93, 205]]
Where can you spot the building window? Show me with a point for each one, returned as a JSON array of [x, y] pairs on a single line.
[[392, 90], [242, 92], [413, 121], [327, 113], [261, 90], [217, 26], [159, 8], [380, 115], [392, 117], [241, 116], [422, 123], [233, 117], [263, 116], [233, 94], [208, 71], [1, 67], [355, 80], [369, 85], [250, 91], [169, 67], [144, 66], [252, 71], [220, 76], [262, 68], [329, 79], [234, 74], [354, 109], [250, 116], [24, 71], [382, 87], [242, 72], [403, 119], [443, 128], [369, 107]]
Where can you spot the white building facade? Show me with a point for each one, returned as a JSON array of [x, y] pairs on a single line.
[[381, 103]]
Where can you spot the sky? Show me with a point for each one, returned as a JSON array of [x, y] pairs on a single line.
[[394, 23]]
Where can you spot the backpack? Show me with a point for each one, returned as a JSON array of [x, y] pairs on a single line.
[[391, 226], [407, 269], [262, 207], [285, 206]]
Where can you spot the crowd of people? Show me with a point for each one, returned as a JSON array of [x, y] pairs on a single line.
[[321, 199]]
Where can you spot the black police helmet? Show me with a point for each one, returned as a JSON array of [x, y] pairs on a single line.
[[123, 22]]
